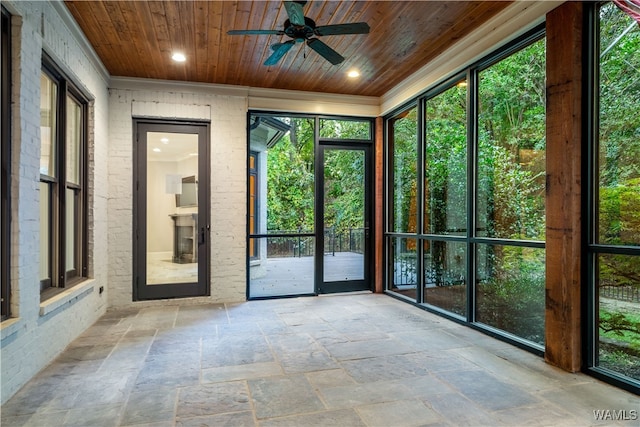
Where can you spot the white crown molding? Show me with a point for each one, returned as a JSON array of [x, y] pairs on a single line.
[[512, 22], [313, 102], [156, 85], [263, 99]]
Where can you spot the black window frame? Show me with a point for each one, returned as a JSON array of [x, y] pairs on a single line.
[[61, 278], [591, 246], [5, 164], [254, 172], [469, 73]]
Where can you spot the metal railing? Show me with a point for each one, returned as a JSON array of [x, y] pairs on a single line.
[[286, 243], [621, 293]]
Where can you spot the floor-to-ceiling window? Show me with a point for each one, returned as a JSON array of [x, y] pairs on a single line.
[[465, 190], [402, 138], [614, 249], [510, 194]]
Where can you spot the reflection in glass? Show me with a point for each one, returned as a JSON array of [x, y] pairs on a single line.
[[48, 119], [345, 129], [404, 146], [172, 209], [404, 262], [445, 267], [511, 290], [344, 228], [618, 136], [45, 232], [445, 180], [619, 314], [70, 229], [511, 146], [74, 137]]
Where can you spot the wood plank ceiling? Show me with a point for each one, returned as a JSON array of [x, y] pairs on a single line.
[[137, 38]]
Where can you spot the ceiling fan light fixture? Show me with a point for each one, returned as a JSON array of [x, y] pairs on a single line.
[[178, 57]]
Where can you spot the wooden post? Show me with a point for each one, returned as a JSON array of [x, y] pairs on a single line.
[[564, 186]]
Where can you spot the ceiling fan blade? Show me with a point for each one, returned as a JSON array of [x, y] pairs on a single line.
[[325, 51], [248, 32], [294, 10], [279, 49], [353, 28]]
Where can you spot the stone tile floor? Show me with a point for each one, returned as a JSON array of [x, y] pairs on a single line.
[[342, 360]]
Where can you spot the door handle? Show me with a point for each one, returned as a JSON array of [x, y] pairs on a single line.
[[201, 237]]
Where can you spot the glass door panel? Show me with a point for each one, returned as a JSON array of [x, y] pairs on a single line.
[[172, 208]]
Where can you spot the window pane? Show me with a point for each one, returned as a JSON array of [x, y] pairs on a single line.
[[71, 226], [286, 269], [345, 129], [404, 260], [74, 137], [283, 185], [511, 290], [45, 231], [48, 113], [511, 147], [619, 129], [619, 314], [445, 180], [291, 181], [404, 146], [445, 278], [617, 198]]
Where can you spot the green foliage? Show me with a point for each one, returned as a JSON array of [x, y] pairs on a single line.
[[405, 164], [511, 156], [511, 296], [290, 180]]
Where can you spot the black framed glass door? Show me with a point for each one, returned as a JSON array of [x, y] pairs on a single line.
[[171, 210], [345, 214]]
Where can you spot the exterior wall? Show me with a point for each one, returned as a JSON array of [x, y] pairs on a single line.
[[228, 147], [37, 332]]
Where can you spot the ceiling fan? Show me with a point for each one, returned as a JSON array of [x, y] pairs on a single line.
[[301, 29]]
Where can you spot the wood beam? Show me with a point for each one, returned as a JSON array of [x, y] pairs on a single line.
[[564, 27]]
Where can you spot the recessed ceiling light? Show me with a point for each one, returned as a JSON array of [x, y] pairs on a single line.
[[179, 57], [353, 73], [157, 150], [164, 140]]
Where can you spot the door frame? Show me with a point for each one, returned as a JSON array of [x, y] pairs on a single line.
[[142, 291], [366, 284]]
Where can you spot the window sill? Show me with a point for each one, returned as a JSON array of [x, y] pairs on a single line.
[[10, 326], [68, 296]]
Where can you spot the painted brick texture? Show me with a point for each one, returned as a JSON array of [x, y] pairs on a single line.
[[227, 116], [30, 341]]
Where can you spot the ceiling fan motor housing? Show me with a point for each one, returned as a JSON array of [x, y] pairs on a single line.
[[300, 32]]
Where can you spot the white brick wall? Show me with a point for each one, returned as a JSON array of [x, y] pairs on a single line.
[[29, 340], [227, 115]]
